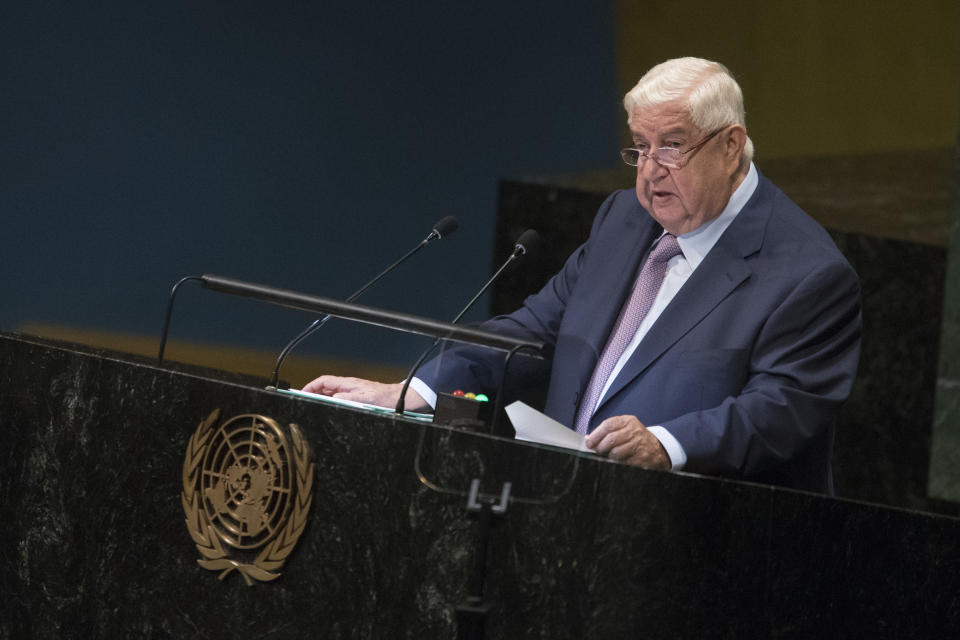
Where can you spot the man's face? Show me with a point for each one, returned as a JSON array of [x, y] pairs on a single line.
[[684, 199]]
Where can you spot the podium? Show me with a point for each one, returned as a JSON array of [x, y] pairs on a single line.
[[95, 543]]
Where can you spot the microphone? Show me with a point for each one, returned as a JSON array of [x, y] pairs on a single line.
[[527, 242], [441, 229]]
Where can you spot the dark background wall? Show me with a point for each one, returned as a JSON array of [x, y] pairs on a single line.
[[297, 144]]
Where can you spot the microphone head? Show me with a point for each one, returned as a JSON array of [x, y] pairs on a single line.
[[528, 241], [445, 227]]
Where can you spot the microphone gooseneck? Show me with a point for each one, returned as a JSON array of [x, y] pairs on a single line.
[[441, 229], [527, 241]]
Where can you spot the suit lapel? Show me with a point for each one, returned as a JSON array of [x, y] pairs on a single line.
[[615, 273], [720, 273]]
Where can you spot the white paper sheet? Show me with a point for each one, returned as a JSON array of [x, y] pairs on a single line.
[[533, 426]]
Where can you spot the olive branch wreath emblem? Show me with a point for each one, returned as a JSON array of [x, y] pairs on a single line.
[[216, 556]]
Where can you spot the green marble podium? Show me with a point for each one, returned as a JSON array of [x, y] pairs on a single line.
[[94, 544]]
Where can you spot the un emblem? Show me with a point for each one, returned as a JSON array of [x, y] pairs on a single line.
[[247, 490]]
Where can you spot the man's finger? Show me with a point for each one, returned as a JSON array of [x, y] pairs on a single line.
[[605, 428]]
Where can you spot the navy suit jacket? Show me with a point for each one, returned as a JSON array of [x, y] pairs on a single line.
[[746, 367]]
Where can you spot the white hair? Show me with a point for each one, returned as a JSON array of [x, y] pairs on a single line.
[[713, 97]]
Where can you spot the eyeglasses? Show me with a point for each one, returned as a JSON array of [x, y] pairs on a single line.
[[668, 157]]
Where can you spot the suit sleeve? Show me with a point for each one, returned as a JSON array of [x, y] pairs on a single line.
[[801, 369], [478, 369]]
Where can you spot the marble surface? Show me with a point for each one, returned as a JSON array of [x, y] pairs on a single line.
[[94, 542], [944, 479], [882, 447]]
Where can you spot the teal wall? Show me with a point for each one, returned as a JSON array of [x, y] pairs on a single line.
[[303, 145]]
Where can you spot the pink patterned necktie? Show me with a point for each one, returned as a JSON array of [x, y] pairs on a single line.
[[631, 315]]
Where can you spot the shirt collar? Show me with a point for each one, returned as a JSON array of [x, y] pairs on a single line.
[[697, 244]]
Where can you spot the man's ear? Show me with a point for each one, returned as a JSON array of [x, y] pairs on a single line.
[[734, 140]]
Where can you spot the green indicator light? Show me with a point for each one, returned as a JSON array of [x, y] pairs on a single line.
[[482, 398]]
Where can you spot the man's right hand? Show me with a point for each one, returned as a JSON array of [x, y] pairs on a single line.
[[368, 391]]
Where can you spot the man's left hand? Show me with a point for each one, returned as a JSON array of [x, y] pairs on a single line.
[[626, 439]]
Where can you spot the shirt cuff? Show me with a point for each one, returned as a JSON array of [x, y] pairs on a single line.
[[428, 394], [678, 457]]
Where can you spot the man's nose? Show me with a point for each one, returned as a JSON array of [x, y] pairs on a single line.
[[650, 169]]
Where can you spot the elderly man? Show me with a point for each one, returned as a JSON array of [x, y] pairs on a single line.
[[707, 324]]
